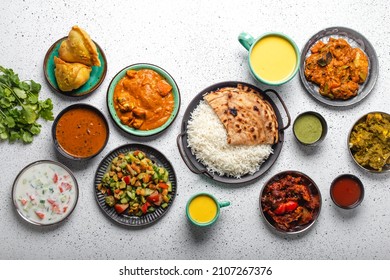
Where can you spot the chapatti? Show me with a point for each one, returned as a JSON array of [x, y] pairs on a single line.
[[248, 118]]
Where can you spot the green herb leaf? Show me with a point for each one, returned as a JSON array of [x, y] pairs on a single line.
[[35, 129], [20, 107], [33, 99], [27, 137], [9, 122], [35, 87], [20, 92]]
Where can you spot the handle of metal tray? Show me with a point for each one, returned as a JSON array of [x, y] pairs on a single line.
[[284, 107], [186, 160]]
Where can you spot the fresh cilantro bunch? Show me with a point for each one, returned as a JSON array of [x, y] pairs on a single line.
[[20, 108]]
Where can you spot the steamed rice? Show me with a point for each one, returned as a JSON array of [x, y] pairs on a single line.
[[207, 139]]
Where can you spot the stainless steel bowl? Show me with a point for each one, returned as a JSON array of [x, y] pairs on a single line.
[[314, 190], [386, 167], [49, 189]]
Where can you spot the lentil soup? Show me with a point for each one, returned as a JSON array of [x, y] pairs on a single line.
[[81, 132]]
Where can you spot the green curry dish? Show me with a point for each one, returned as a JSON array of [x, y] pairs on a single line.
[[20, 108], [135, 185], [370, 141]]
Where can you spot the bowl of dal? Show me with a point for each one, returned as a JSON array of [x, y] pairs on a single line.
[[143, 100], [310, 128], [368, 142], [80, 131]]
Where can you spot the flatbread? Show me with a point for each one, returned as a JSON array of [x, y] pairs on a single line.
[[218, 100], [248, 118]]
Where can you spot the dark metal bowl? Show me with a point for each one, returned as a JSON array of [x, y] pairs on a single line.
[[314, 190], [195, 166], [67, 109]]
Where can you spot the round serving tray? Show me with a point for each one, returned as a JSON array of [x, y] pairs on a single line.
[[356, 40], [123, 219], [195, 166]]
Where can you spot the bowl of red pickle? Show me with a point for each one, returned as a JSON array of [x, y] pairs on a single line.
[[290, 202]]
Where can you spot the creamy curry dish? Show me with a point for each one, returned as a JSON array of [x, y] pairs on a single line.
[[337, 68], [143, 99]]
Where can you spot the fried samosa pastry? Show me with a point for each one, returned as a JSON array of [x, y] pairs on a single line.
[[70, 76], [79, 47]]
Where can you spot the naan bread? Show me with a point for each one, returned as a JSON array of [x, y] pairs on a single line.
[[79, 47], [248, 118], [70, 76]]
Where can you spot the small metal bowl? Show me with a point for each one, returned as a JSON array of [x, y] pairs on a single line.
[[323, 124], [314, 191], [352, 195], [137, 133], [63, 150], [386, 167], [35, 199]]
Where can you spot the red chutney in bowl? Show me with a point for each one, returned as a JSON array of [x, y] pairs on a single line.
[[347, 191]]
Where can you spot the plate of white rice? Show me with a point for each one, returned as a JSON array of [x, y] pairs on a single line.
[[203, 142]]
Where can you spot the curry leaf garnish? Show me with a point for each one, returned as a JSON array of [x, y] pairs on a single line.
[[20, 108]]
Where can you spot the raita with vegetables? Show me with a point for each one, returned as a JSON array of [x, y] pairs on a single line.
[[134, 185], [45, 193], [289, 202]]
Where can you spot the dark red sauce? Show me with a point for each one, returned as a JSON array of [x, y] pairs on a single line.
[[346, 191]]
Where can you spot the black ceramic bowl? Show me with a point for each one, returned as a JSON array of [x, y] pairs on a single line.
[[81, 130]]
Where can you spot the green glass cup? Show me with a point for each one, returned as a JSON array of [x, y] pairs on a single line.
[[273, 57], [203, 209]]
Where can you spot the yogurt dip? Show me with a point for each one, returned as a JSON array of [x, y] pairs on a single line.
[[45, 192]]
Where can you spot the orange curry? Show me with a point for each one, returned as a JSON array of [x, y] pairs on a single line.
[[81, 132], [143, 99], [337, 68]]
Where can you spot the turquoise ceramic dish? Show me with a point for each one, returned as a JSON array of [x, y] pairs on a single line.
[[133, 131], [97, 75]]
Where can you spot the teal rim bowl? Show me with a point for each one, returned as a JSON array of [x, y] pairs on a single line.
[[131, 130], [97, 75], [219, 205], [297, 62]]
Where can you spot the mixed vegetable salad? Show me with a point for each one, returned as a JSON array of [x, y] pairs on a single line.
[[135, 185]]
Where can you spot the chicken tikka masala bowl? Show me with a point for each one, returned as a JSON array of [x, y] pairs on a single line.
[[143, 100]]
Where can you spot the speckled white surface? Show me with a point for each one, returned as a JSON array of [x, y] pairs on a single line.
[[196, 41]]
